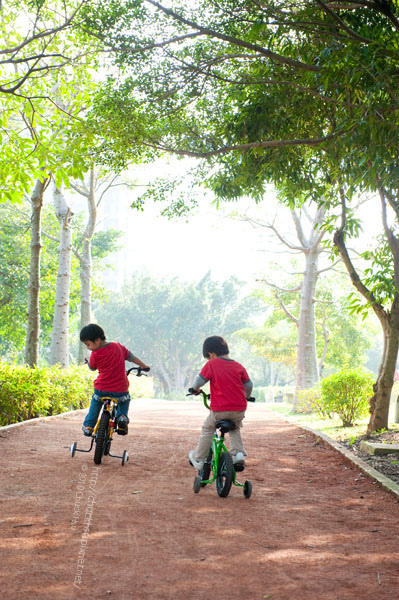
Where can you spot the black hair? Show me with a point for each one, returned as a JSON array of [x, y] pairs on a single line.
[[91, 333], [215, 344]]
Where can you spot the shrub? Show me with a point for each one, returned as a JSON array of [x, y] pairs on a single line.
[[310, 401], [26, 393], [346, 393]]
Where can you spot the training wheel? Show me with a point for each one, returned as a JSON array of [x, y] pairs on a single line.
[[247, 489], [125, 457], [197, 484], [72, 449]]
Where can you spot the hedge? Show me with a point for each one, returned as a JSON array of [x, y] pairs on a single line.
[[26, 393]]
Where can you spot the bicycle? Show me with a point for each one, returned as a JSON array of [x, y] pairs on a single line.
[[105, 427], [219, 465]]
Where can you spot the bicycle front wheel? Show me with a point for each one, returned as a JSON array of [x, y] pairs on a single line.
[[206, 471], [101, 438], [224, 477]]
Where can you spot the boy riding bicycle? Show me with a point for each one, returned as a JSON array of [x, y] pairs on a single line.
[[109, 358], [230, 388]]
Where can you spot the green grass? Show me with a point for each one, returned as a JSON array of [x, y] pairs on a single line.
[[331, 427]]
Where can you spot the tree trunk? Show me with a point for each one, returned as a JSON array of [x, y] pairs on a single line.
[[59, 350], [33, 316], [380, 401], [307, 371], [85, 261]]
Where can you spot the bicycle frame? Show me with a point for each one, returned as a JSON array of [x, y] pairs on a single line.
[[110, 405]]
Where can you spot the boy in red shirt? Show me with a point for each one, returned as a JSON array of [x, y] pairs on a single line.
[[109, 358], [230, 388]]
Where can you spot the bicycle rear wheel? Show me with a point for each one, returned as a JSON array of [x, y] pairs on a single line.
[[224, 477], [101, 438]]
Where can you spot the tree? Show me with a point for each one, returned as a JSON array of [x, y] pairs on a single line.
[[166, 322], [94, 190], [33, 313], [40, 46], [309, 244], [15, 276], [59, 350], [223, 76]]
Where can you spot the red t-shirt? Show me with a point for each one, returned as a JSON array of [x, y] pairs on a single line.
[[226, 378], [110, 362]]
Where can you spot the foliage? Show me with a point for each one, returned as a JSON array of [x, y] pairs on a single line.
[[309, 401], [141, 387], [347, 394], [26, 393], [165, 322], [46, 80], [14, 278]]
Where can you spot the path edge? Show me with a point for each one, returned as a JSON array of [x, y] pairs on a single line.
[[385, 482], [39, 419]]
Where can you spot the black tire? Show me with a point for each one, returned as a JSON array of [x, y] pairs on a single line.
[[197, 484], [107, 448], [247, 489], [101, 438], [224, 477], [206, 471], [72, 449]]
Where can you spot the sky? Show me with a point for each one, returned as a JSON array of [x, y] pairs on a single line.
[[209, 239], [188, 247]]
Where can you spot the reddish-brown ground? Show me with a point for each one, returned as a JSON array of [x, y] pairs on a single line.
[[314, 528]]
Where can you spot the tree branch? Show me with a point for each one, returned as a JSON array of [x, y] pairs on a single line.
[[236, 41]]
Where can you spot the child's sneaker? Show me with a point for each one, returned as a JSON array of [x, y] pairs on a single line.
[[239, 461], [87, 430], [197, 464], [122, 428]]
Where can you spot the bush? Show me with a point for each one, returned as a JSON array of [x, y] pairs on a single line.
[[347, 393], [310, 401], [26, 393]]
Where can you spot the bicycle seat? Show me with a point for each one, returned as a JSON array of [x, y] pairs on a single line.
[[225, 425]]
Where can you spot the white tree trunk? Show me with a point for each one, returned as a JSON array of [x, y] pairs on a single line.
[[33, 316], [85, 260], [59, 349], [307, 370]]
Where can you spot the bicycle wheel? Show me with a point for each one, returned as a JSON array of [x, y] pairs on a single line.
[[224, 477], [197, 484], [206, 471], [101, 438], [247, 489]]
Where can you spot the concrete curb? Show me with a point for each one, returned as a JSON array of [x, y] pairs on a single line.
[[382, 480], [39, 419]]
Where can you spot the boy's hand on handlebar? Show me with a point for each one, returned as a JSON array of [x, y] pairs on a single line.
[[146, 368], [194, 392]]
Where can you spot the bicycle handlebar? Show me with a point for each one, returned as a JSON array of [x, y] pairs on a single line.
[[206, 397], [140, 371]]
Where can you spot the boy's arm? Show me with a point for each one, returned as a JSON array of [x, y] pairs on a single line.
[[88, 364], [137, 361], [199, 382], [248, 385]]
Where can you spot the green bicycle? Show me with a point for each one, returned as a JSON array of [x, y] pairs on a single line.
[[219, 463]]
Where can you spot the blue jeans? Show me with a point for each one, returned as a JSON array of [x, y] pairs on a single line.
[[96, 404]]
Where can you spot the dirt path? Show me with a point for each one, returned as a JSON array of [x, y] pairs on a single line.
[[315, 528]]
